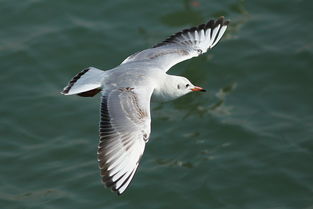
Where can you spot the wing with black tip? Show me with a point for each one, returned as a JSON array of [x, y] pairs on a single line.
[[183, 45]]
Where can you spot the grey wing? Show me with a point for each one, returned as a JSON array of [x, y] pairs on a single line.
[[124, 131], [183, 45]]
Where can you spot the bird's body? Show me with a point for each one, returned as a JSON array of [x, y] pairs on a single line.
[[126, 94], [134, 74]]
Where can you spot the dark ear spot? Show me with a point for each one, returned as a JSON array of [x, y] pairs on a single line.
[[178, 86]]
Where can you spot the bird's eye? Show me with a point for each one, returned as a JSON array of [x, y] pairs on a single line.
[[187, 85], [178, 86]]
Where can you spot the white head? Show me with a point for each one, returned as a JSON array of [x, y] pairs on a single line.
[[174, 87]]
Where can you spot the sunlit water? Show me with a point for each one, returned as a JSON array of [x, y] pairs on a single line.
[[246, 143]]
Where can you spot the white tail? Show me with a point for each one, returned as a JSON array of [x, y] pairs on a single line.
[[87, 83]]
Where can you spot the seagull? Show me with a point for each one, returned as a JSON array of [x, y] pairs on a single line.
[[126, 92]]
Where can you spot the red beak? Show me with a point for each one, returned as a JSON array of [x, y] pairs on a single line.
[[197, 88]]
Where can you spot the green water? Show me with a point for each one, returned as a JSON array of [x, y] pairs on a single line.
[[246, 143]]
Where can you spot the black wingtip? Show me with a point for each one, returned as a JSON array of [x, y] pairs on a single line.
[[73, 81], [226, 22], [219, 21], [209, 24], [212, 23]]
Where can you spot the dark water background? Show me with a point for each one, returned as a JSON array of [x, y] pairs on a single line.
[[247, 143]]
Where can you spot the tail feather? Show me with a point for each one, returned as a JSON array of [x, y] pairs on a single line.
[[87, 83]]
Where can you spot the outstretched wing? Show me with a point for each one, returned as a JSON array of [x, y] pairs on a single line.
[[124, 131], [183, 45]]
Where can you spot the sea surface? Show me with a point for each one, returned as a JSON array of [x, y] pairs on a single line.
[[247, 143]]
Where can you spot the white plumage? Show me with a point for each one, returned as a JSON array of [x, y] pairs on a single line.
[[126, 94]]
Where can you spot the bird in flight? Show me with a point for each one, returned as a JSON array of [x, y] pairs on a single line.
[[126, 92]]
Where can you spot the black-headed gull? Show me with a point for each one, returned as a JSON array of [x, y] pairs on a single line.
[[126, 93]]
